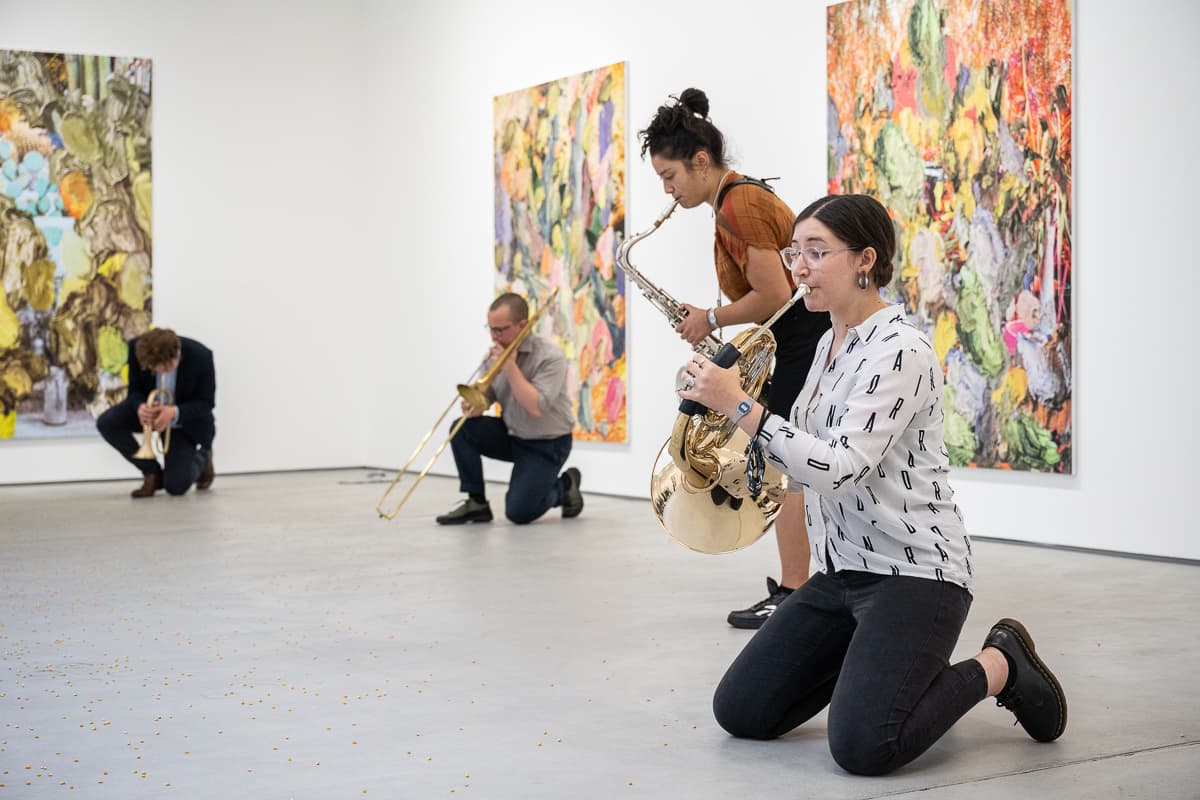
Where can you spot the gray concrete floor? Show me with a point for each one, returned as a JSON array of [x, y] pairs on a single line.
[[272, 638]]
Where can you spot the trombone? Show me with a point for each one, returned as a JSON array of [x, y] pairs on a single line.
[[475, 395]]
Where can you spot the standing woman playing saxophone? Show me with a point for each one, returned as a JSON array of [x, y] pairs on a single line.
[[751, 226]]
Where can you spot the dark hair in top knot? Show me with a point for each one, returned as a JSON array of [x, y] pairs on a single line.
[[681, 129], [695, 101]]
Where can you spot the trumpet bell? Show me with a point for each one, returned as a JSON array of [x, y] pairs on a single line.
[[146, 451], [705, 519]]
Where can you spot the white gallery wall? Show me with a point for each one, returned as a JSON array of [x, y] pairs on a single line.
[[323, 219], [259, 251]]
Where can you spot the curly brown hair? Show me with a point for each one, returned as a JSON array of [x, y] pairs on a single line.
[[680, 130], [157, 347]]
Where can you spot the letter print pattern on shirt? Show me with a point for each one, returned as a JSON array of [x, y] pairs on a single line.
[[866, 443]]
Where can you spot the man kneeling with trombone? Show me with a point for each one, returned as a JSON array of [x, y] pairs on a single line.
[[533, 431]]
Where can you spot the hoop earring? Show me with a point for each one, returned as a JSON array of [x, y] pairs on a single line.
[[863, 282]]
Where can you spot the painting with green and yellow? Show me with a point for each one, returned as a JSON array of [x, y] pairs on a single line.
[[75, 236], [559, 150], [957, 115]]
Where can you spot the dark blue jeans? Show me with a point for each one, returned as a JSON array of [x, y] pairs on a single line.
[[875, 649], [534, 487], [183, 462]]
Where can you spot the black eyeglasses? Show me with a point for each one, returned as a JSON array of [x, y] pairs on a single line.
[[498, 331]]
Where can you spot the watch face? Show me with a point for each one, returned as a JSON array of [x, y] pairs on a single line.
[[744, 407]]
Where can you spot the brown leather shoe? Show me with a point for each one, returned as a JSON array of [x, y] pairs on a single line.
[[151, 483], [206, 475]]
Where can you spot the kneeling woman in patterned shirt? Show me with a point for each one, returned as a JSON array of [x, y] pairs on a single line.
[[869, 635]]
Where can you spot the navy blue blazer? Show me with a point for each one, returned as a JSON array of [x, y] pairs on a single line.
[[195, 388]]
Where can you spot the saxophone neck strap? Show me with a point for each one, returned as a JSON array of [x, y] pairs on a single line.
[[760, 182]]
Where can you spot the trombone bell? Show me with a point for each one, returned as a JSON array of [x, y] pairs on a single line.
[[475, 394]]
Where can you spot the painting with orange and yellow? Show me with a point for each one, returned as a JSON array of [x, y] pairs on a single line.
[[75, 241], [956, 115], [559, 153]]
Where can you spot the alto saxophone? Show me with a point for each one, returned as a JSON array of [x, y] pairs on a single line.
[[671, 308]]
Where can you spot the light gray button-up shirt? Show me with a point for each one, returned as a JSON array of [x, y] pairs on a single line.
[[543, 364], [866, 444]]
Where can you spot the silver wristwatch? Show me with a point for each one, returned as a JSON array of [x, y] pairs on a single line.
[[743, 408], [712, 318]]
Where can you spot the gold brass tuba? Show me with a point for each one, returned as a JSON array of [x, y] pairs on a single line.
[[475, 394], [699, 494], [155, 445]]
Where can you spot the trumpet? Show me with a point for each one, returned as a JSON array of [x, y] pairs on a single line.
[[474, 393], [153, 446]]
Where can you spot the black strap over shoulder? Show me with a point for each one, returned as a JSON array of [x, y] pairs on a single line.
[[762, 182]]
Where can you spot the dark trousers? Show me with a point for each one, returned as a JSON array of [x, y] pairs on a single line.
[[534, 487], [875, 649], [183, 462]]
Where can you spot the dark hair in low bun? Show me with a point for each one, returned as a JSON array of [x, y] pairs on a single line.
[[681, 129], [860, 221]]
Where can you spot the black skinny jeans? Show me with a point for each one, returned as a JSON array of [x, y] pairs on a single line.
[[875, 649]]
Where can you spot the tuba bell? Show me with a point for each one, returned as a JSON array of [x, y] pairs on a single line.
[[701, 492], [698, 486]]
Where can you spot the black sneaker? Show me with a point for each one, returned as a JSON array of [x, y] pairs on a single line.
[[572, 500], [756, 615], [468, 511], [1032, 691]]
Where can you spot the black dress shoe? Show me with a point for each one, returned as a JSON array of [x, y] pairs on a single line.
[[754, 616], [1032, 691], [467, 511], [572, 500], [205, 479], [151, 483]]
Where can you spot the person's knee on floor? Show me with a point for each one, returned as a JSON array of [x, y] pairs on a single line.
[[741, 717], [859, 752], [519, 514], [520, 508], [176, 485]]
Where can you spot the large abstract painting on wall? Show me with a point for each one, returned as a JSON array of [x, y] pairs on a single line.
[[956, 114], [75, 216], [560, 214]]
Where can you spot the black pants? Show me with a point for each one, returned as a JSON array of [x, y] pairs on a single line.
[[183, 462], [534, 487], [875, 649]]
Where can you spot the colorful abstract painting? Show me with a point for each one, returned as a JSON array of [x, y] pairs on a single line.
[[956, 114], [560, 214], [75, 216]]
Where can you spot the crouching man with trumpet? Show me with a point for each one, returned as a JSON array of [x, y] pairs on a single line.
[[533, 431], [172, 392]]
